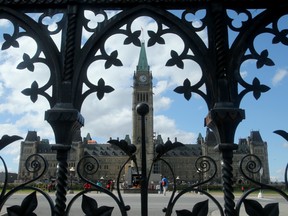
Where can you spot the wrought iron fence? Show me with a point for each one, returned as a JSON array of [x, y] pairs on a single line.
[[68, 69]]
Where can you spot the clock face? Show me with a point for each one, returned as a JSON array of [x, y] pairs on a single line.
[[143, 78]]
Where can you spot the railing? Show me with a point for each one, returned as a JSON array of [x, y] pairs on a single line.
[[88, 165], [68, 69]]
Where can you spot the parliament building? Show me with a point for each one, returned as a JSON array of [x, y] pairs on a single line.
[[111, 158]]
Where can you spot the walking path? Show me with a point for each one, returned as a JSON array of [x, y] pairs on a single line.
[[156, 203]]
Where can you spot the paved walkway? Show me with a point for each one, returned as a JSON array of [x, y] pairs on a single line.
[[156, 202]]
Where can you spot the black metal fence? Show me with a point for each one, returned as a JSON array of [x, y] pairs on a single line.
[[218, 59]]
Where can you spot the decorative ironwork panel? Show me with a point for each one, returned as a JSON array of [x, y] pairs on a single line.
[[206, 43]]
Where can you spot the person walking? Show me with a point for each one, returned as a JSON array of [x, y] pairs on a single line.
[[160, 187], [99, 184], [164, 184], [87, 186]]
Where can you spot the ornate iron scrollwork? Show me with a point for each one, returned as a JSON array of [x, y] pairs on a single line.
[[36, 165], [249, 166], [218, 57], [89, 165]]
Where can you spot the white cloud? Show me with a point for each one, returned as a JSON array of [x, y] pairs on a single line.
[[160, 87], [4, 23], [243, 74], [95, 19], [11, 156], [277, 175], [13, 150], [2, 89], [285, 145], [279, 76], [167, 129], [162, 103]]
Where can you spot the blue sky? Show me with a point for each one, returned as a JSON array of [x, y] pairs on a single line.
[[174, 116]]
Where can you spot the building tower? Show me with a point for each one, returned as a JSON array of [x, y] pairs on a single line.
[[142, 92]]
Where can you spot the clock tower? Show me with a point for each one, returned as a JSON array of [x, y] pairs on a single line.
[[142, 92]]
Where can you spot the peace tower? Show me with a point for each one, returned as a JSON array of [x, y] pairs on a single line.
[[142, 92]]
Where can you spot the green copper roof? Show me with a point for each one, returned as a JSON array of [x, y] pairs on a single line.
[[143, 63]]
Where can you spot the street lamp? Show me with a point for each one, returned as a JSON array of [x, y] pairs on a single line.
[[72, 171], [260, 194], [200, 180], [178, 180]]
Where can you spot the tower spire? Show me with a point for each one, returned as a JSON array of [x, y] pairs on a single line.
[[142, 62]]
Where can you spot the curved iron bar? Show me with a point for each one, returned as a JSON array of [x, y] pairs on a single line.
[[5, 181], [161, 150], [130, 150], [118, 183], [19, 188], [35, 167], [203, 168], [52, 60], [285, 177], [256, 27], [174, 188], [82, 193], [217, 203], [5, 141], [254, 166], [284, 134], [250, 191], [113, 27], [202, 165], [119, 200]]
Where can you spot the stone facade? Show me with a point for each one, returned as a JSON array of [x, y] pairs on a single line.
[[111, 158], [253, 144]]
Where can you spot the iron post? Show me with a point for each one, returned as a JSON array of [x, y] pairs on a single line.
[[143, 110], [72, 171], [224, 121], [64, 121]]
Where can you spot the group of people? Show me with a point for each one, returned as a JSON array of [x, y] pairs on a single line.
[[163, 185], [109, 185]]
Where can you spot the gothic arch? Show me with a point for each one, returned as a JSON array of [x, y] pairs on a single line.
[[113, 26]]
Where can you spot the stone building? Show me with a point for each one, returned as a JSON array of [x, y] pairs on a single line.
[[34, 145], [110, 158], [11, 177], [106, 154], [253, 144]]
